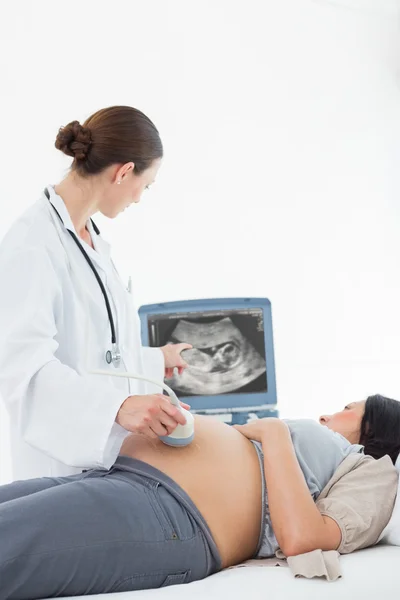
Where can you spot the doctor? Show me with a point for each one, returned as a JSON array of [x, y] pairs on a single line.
[[59, 320]]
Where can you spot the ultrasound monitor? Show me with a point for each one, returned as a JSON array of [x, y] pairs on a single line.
[[231, 364]]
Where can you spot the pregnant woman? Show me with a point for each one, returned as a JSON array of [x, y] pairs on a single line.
[[163, 515]]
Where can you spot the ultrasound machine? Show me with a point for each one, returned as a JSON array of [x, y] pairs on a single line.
[[231, 372]]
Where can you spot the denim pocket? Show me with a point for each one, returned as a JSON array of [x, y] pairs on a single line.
[[149, 581], [176, 579], [174, 519]]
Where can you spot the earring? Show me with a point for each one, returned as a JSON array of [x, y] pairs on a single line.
[[118, 182]]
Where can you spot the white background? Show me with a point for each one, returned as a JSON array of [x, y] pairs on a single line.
[[281, 126]]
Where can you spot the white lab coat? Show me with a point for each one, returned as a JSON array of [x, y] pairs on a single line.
[[63, 418]]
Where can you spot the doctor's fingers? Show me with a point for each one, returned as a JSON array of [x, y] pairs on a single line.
[[173, 412], [150, 427], [159, 429], [168, 422], [148, 432], [156, 428]]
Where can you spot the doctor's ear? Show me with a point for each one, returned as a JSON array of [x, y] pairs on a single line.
[[123, 171]]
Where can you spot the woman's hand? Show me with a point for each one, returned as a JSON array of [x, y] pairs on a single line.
[[150, 415], [257, 429], [173, 358]]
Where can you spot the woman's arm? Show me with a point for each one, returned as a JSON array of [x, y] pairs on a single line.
[[298, 525]]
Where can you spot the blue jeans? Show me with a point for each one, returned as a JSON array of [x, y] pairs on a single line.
[[128, 528]]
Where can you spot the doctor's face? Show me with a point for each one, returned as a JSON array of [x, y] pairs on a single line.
[[129, 191], [347, 422]]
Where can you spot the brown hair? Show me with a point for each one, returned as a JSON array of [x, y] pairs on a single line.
[[115, 135]]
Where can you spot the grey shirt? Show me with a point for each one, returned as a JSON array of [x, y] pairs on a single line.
[[319, 452]]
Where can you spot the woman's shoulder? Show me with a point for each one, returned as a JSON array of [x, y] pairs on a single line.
[[309, 429], [31, 235], [312, 426]]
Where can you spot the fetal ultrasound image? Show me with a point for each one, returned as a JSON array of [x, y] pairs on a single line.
[[228, 354]]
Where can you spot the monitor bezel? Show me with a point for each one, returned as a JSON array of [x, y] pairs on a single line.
[[222, 401]]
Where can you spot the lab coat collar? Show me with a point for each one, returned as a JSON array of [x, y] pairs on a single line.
[[62, 210], [101, 246]]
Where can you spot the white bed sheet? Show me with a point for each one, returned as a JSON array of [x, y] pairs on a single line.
[[371, 574]]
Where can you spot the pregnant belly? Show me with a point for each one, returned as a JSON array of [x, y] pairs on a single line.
[[220, 472]]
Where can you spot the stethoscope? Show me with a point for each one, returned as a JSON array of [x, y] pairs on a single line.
[[182, 434], [112, 356]]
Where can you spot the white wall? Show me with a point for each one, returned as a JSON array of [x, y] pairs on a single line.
[[281, 126]]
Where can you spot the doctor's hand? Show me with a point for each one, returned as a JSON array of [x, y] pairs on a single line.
[[152, 415], [173, 358]]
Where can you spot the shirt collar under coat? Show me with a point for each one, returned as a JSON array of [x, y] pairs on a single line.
[[102, 248]]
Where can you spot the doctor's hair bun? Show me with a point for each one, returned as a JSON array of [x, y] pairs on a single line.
[[74, 140], [111, 136]]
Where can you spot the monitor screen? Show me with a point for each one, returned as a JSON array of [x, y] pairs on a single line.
[[228, 354]]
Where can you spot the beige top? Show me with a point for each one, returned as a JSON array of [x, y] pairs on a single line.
[[360, 498]]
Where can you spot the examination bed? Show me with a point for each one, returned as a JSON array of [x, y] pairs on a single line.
[[372, 573]]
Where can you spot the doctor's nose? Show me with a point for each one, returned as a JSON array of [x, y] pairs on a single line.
[[324, 419]]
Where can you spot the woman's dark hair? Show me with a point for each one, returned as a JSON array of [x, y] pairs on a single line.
[[380, 427], [119, 134]]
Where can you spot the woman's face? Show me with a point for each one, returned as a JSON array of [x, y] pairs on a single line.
[[124, 187], [346, 422]]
